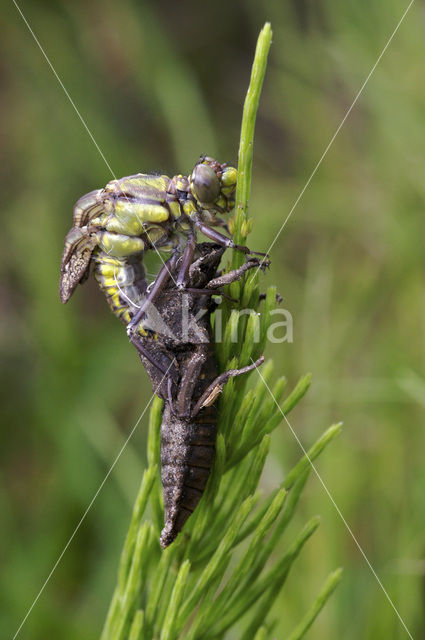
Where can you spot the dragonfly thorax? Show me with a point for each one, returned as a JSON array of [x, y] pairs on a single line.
[[143, 212]]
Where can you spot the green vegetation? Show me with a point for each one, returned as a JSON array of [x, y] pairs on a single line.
[[349, 265]]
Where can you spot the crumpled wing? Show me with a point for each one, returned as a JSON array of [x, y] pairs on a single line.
[[76, 258]]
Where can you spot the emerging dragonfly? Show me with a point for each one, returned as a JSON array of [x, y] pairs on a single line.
[[114, 226]]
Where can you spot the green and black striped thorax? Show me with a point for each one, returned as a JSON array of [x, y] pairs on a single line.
[[115, 225]]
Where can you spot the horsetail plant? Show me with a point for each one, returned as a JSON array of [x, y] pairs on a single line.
[[207, 583]]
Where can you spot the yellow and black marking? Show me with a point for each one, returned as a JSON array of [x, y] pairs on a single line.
[[123, 281], [114, 226]]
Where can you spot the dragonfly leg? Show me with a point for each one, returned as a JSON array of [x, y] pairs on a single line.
[[223, 240], [163, 276], [135, 339], [216, 387], [187, 259], [227, 278], [192, 370], [236, 274], [144, 352]]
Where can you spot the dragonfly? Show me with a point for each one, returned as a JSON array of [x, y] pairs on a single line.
[[113, 227]]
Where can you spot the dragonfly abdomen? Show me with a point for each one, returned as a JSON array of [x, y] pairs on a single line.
[[123, 281], [187, 455], [188, 444]]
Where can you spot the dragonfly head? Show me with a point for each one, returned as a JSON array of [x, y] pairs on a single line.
[[77, 253], [213, 185]]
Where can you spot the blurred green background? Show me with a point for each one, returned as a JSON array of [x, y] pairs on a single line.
[[158, 83]]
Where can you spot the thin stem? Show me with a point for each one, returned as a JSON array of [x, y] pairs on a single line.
[[246, 144]]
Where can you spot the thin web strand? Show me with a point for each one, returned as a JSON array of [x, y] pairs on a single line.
[[90, 505], [322, 157], [83, 122]]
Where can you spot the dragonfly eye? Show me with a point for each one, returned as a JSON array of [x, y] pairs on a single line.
[[229, 177], [205, 183]]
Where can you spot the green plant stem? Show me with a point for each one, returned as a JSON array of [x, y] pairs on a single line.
[[249, 116], [246, 144]]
